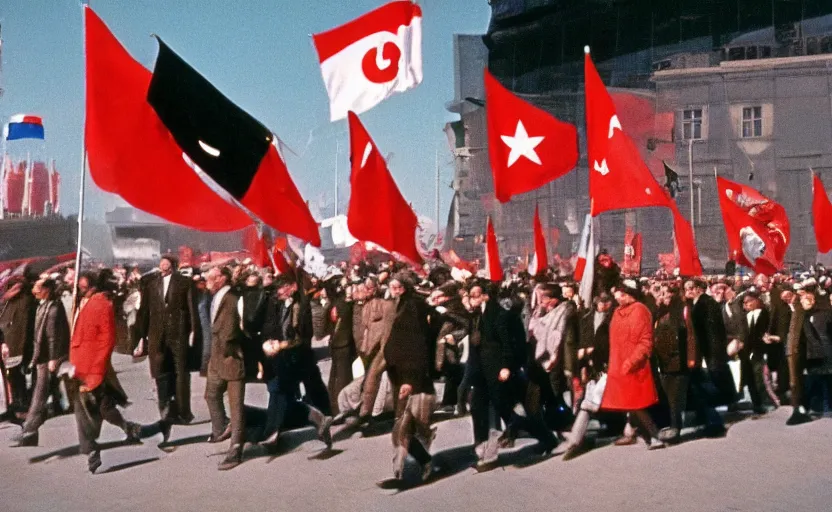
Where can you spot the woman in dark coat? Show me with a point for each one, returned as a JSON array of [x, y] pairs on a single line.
[[407, 353], [670, 351]]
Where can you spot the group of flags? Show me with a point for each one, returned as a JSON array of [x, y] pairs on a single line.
[[154, 137]]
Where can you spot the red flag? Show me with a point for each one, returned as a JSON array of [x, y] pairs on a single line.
[[757, 228], [256, 247], [541, 260], [492, 254], [689, 263], [618, 177], [821, 215], [130, 151], [632, 253], [527, 146], [377, 211]]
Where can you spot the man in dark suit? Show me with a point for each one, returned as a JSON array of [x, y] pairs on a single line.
[[51, 348], [169, 325], [226, 368], [497, 360], [754, 328], [17, 322], [715, 385], [290, 361]]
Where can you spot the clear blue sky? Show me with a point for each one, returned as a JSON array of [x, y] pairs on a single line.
[[259, 53]]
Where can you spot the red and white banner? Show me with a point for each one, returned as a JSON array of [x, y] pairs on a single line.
[[372, 57]]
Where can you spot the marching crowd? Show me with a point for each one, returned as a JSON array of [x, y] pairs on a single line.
[[524, 357]]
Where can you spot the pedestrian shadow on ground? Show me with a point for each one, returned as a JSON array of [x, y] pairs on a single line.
[[72, 451], [127, 465], [446, 464]]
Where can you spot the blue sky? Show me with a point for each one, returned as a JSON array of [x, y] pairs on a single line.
[[259, 53]]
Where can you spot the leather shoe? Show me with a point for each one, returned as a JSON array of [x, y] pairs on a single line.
[[233, 459], [133, 431], [271, 441], [224, 436], [26, 439], [325, 432], [164, 428], [715, 431], [798, 418], [625, 441]]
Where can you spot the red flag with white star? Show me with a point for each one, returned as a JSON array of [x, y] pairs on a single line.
[[528, 147]]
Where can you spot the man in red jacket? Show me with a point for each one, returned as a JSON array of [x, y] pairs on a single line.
[[96, 391]]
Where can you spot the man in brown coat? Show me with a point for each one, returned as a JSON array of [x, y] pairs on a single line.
[[17, 322], [378, 320], [226, 368]]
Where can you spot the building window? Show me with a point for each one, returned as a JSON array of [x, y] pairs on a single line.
[[692, 124], [752, 122]]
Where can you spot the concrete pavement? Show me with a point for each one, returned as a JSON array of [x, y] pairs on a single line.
[[760, 466]]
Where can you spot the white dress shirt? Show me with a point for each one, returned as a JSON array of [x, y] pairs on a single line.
[[217, 300], [165, 286]]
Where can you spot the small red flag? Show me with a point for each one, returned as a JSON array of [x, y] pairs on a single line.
[[492, 254], [377, 211], [821, 215], [527, 146], [541, 260]]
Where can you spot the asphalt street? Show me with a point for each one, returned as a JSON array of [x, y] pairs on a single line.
[[761, 465]]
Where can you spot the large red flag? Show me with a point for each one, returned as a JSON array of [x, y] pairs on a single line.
[[492, 254], [540, 261], [377, 211], [154, 138], [130, 151], [821, 215], [757, 228], [527, 146], [618, 177]]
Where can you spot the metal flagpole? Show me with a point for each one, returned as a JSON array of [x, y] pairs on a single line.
[[80, 208], [690, 183], [437, 192], [337, 150], [3, 181], [80, 233]]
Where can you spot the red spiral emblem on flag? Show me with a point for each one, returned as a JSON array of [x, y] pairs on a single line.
[[391, 53]]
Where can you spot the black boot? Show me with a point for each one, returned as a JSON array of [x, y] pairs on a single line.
[[233, 459], [26, 439], [134, 432], [94, 461]]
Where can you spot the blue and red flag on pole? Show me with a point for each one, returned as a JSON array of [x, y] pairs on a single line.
[[24, 126]]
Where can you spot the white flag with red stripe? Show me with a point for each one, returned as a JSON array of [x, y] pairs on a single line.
[[583, 249], [372, 57]]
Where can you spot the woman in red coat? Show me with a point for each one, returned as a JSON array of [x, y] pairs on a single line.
[[630, 384]]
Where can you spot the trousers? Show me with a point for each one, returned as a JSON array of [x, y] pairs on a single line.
[[215, 388]]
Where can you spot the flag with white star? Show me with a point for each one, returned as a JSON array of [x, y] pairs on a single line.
[[528, 147]]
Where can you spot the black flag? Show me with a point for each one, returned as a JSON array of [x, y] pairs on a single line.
[[671, 180]]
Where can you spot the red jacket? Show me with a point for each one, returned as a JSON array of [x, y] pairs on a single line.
[[630, 384], [93, 340]]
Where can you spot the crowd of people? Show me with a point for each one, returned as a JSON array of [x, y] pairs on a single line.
[[646, 357]]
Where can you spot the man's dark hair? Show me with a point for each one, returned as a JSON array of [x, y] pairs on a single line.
[[174, 261], [226, 272], [50, 286], [552, 291]]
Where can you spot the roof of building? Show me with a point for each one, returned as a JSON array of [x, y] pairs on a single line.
[[811, 27]]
